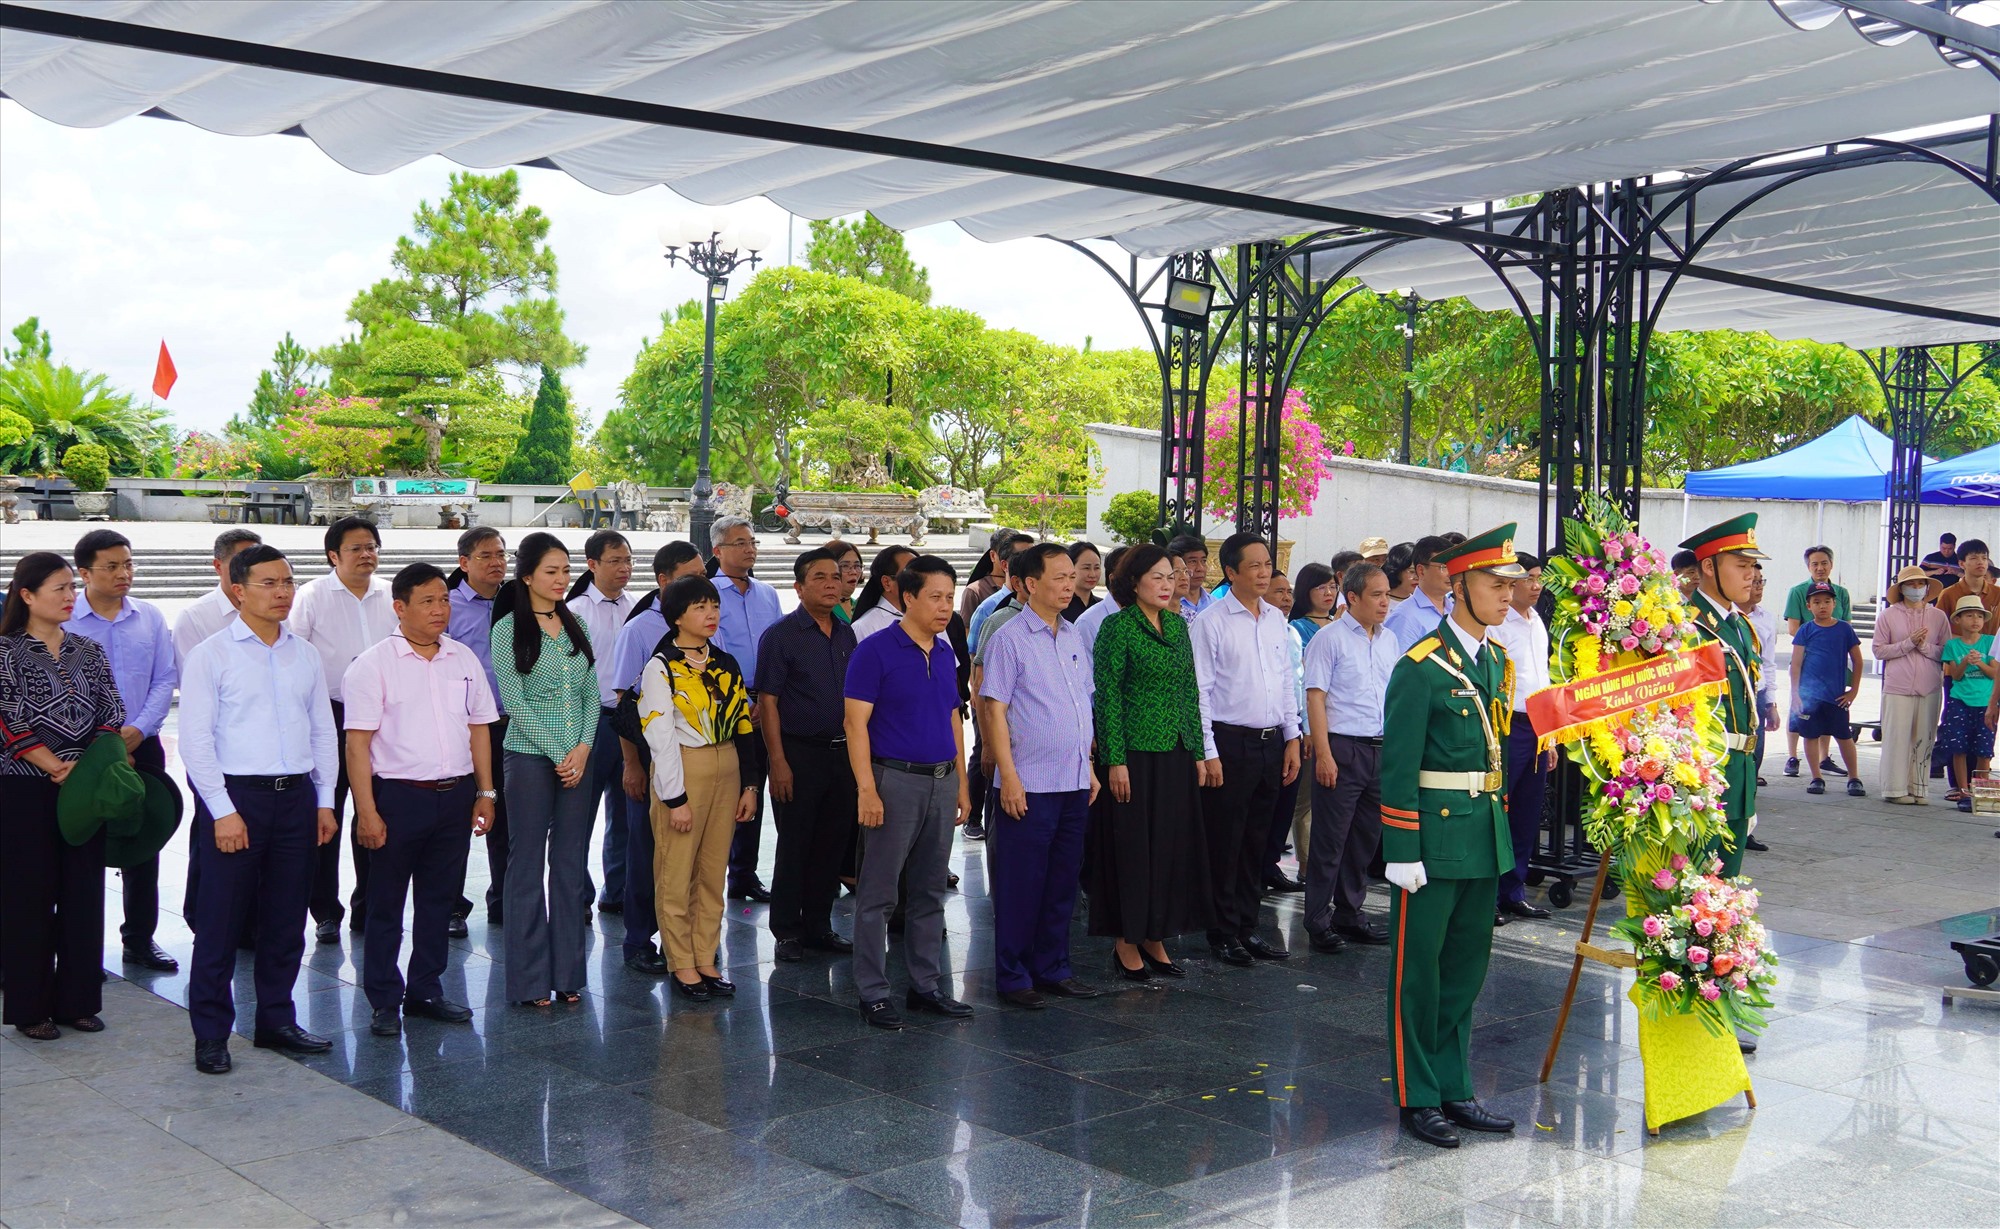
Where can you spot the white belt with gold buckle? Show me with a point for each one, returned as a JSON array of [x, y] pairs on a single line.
[[1474, 783]]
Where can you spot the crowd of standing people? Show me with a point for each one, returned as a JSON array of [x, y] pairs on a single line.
[[1158, 747]]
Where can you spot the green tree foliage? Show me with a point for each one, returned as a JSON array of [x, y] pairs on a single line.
[[14, 429], [1132, 516], [867, 251], [65, 407], [543, 454], [31, 340], [277, 387], [479, 266], [1721, 397], [418, 384], [87, 465]]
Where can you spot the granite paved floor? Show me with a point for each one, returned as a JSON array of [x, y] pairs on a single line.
[[1237, 1097]]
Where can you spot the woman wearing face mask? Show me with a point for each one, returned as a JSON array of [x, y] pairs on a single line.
[[1909, 642]]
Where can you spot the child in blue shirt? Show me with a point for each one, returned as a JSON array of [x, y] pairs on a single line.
[[1969, 671], [1826, 677]]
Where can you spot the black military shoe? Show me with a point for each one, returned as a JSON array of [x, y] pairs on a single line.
[[385, 1022], [212, 1057], [442, 1010], [291, 1039], [1427, 1124], [152, 956], [1475, 1117]]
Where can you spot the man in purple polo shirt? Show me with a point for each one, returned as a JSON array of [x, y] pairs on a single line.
[[1035, 688], [906, 744]]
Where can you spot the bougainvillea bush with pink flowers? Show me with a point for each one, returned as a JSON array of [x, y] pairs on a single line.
[[1701, 949], [1302, 454]]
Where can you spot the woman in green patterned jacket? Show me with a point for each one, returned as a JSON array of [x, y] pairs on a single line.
[[1146, 855]]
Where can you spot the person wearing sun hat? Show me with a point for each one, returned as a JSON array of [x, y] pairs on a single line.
[[1725, 556], [1445, 838], [1909, 642]]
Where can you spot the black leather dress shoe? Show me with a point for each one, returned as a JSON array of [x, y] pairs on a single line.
[[1068, 988], [385, 1022], [1264, 949], [1747, 1045], [721, 987], [1232, 953], [151, 956], [881, 1014], [291, 1039], [652, 964], [1364, 932], [1754, 845], [1281, 882], [1500, 919], [611, 906], [790, 951], [1030, 999], [1475, 1117], [1326, 942], [751, 891], [696, 990], [327, 931], [212, 1057], [831, 941], [1429, 1125], [456, 928], [936, 1003], [442, 1010], [1521, 908]]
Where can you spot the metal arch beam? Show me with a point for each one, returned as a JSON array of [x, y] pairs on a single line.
[[1710, 274], [458, 85]]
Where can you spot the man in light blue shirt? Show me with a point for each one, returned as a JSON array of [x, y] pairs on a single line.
[[1426, 607], [482, 569], [257, 737], [749, 608], [141, 650], [1347, 673], [1192, 551]]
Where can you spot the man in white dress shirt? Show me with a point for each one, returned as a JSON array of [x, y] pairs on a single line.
[[1526, 639], [1243, 664], [341, 614], [216, 609], [1347, 673], [600, 601], [257, 738]]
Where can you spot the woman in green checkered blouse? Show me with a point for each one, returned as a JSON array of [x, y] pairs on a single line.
[[1147, 854], [543, 663]]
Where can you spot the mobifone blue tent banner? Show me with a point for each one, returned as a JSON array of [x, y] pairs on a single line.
[[1971, 479], [1849, 464]]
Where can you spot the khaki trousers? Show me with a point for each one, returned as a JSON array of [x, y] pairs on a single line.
[[1909, 727], [688, 867]]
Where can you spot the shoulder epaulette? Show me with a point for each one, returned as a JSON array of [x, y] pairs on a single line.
[[1423, 648]]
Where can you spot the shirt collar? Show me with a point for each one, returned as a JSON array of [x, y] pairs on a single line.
[[125, 611], [1465, 641], [471, 594], [1725, 609], [596, 594], [239, 630], [403, 647], [1353, 628]]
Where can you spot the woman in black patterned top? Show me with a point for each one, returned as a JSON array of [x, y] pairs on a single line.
[[56, 697], [1146, 854]]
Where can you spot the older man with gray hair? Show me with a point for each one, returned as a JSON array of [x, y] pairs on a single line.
[[749, 607]]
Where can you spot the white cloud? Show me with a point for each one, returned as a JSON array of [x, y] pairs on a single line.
[[121, 236]]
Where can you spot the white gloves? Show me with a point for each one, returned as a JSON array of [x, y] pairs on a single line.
[[1408, 876], [1751, 827]]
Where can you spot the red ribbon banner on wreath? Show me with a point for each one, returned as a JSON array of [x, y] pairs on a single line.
[[1563, 713]]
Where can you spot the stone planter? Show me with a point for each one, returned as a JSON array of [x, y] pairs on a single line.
[[332, 498], [93, 505]]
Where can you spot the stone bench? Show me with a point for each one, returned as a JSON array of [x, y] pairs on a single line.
[[953, 506], [842, 512]]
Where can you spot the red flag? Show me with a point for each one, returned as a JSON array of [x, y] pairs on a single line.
[[164, 373]]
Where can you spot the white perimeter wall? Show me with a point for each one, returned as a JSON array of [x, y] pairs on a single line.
[[1361, 499]]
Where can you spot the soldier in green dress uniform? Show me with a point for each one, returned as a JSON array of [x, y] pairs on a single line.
[[1445, 837], [1725, 563]]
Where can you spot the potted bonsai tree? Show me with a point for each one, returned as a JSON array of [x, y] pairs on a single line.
[[89, 467]]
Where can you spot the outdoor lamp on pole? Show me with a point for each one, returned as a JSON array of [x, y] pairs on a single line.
[[1409, 331], [713, 247]]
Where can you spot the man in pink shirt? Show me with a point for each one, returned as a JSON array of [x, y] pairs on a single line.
[[417, 705], [1909, 639]]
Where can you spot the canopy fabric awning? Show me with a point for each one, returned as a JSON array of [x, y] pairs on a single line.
[[1909, 231], [1849, 464], [1391, 107], [1969, 480]]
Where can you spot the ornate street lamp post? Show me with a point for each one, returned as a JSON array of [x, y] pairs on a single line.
[[713, 249]]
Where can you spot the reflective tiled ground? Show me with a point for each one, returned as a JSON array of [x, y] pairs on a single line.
[[1238, 1096]]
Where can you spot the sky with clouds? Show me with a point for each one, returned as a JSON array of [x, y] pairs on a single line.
[[122, 236]]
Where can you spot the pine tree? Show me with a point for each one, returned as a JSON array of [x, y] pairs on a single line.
[[543, 457]]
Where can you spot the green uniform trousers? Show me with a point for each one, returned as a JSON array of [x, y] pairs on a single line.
[[1443, 939], [1741, 773]]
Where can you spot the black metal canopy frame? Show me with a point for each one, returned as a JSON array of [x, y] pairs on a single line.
[[1589, 270]]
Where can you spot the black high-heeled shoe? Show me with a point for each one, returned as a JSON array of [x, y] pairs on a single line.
[[696, 990], [1139, 974], [1165, 968]]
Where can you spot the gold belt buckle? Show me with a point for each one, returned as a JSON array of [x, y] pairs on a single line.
[[1492, 783]]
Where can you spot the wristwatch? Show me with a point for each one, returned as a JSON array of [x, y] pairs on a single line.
[[488, 793]]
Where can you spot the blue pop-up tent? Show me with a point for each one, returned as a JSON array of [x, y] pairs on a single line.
[[1849, 464], [1973, 479]]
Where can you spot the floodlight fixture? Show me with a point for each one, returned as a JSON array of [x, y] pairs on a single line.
[[1187, 303]]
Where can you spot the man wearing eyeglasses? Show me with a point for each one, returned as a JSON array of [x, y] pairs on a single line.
[[749, 608], [135, 637], [342, 614]]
